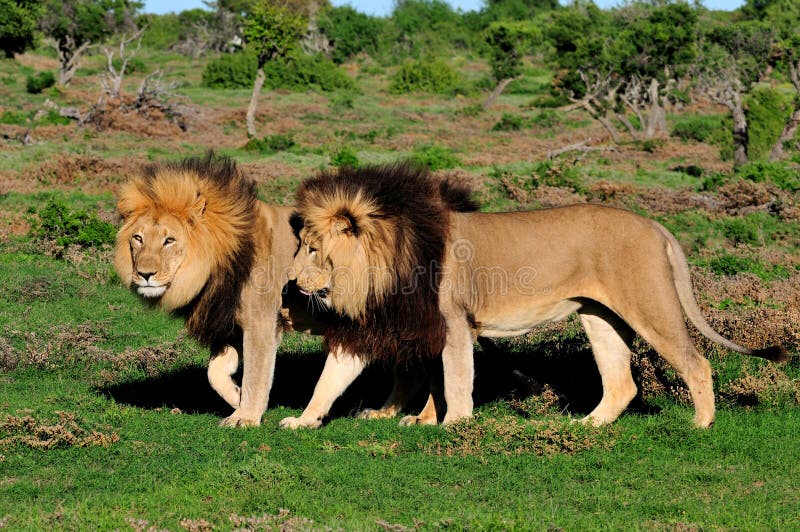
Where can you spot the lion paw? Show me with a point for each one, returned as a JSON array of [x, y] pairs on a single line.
[[369, 413], [237, 420], [416, 420], [298, 423], [452, 419]]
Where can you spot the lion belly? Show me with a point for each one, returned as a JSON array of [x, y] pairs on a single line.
[[523, 317]]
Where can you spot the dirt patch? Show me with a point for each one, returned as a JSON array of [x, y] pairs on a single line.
[[66, 432]]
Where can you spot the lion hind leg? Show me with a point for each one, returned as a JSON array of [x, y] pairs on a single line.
[[221, 368], [407, 382], [610, 339], [666, 332], [426, 417]]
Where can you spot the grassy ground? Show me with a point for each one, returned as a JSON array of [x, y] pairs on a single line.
[[107, 421]]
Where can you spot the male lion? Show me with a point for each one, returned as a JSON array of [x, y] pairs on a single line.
[[196, 241], [504, 273]]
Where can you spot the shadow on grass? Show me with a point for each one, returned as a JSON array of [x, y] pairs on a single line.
[[501, 373]]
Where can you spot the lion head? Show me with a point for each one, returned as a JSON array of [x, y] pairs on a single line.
[[372, 243], [186, 241]]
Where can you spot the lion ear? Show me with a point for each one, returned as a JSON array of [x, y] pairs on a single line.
[[199, 207], [344, 224]]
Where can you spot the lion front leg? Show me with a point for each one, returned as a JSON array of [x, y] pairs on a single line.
[[259, 348], [459, 370], [340, 370], [221, 368]]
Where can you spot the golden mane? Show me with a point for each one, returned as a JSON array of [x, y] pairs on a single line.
[[385, 229], [217, 205]]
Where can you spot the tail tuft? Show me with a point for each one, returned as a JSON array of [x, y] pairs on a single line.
[[775, 353]]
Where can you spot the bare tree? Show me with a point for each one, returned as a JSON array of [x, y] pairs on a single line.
[[600, 98], [112, 78]]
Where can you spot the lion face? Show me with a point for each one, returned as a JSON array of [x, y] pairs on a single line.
[[312, 272], [332, 268], [154, 257]]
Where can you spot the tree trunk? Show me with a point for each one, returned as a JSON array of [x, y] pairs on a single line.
[[657, 119], [787, 134], [739, 131], [68, 58], [251, 109], [497, 92]]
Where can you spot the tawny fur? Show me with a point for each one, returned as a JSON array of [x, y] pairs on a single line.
[[504, 273]]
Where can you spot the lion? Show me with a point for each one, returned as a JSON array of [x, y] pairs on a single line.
[[195, 241], [502, 274]]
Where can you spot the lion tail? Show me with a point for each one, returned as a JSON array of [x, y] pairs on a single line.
[[683, 285]]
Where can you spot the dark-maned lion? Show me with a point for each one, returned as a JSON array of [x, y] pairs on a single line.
[[504, 273]]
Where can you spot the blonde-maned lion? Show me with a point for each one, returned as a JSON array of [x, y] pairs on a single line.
[[504, 273], [196, 241]]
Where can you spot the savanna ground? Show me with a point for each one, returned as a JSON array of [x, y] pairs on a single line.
[[107, 421]]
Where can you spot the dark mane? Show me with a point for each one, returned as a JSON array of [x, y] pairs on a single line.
[[406, 324], [211, 315]]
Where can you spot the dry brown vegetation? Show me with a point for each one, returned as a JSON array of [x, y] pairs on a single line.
[[38, 434]]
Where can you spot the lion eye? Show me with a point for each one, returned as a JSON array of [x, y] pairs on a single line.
[[169, 240], [138, 238]]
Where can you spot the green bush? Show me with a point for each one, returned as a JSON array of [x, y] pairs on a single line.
[[756, 229], [301, 72], [696, 127], [435, 157], [350, 32], [133, 65], [17, 118], [727, 264], [782, 174], [767, 111], [57, 222], [345, 156], [231, 71], [36, 83], [434, 76], [270, 144], [547, 118], [509, 122], [298, 72], [554, 174]]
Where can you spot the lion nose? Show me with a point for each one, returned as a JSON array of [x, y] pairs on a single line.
[[145, 275]]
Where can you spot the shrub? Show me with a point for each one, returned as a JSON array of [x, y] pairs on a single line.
[[547, 118], [301, 71], [231, 71], [786, 177], [435, 157], [766, 111], [554, 174], [345, 156], [17, 118], [350, 32], [509, 122], [696, 127], [298, 72], [423, 75], [270, 144], [728, 264], [36, 83], [65, 227], [134, 64]]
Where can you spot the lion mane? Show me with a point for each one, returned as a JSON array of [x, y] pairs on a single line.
[[220, 242], [399, 215]]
